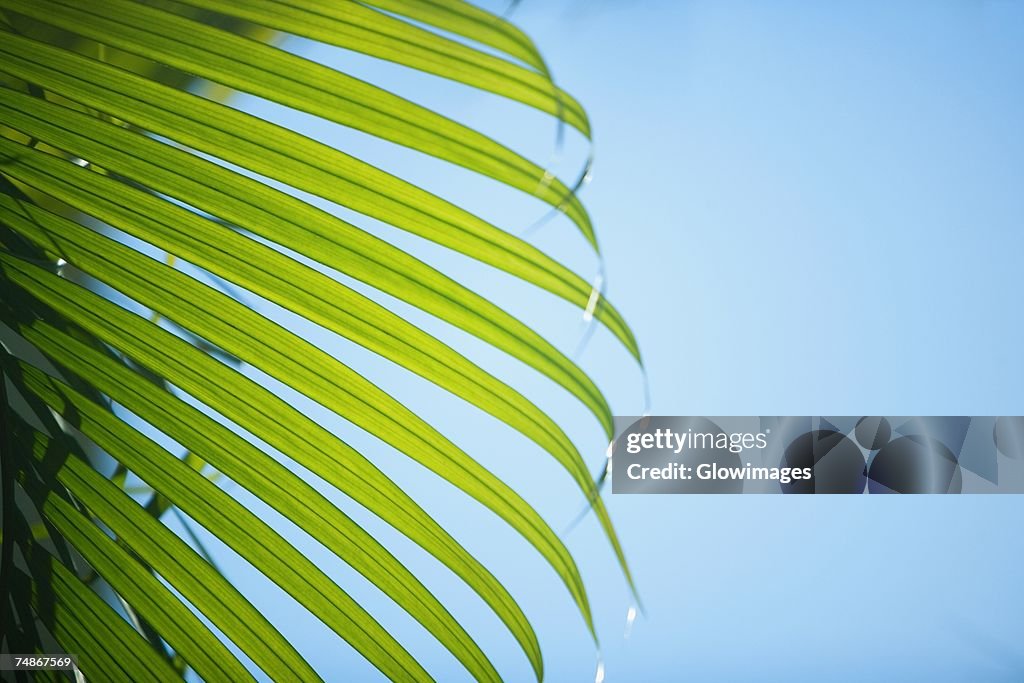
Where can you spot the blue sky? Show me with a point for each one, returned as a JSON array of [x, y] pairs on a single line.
[[804, 208]]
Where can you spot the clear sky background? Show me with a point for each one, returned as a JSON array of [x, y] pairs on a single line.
[[805, 208]]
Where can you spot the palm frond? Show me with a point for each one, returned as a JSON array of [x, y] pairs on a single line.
[[99, 130]]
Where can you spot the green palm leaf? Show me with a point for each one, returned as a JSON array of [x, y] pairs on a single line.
[[104, 82]]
